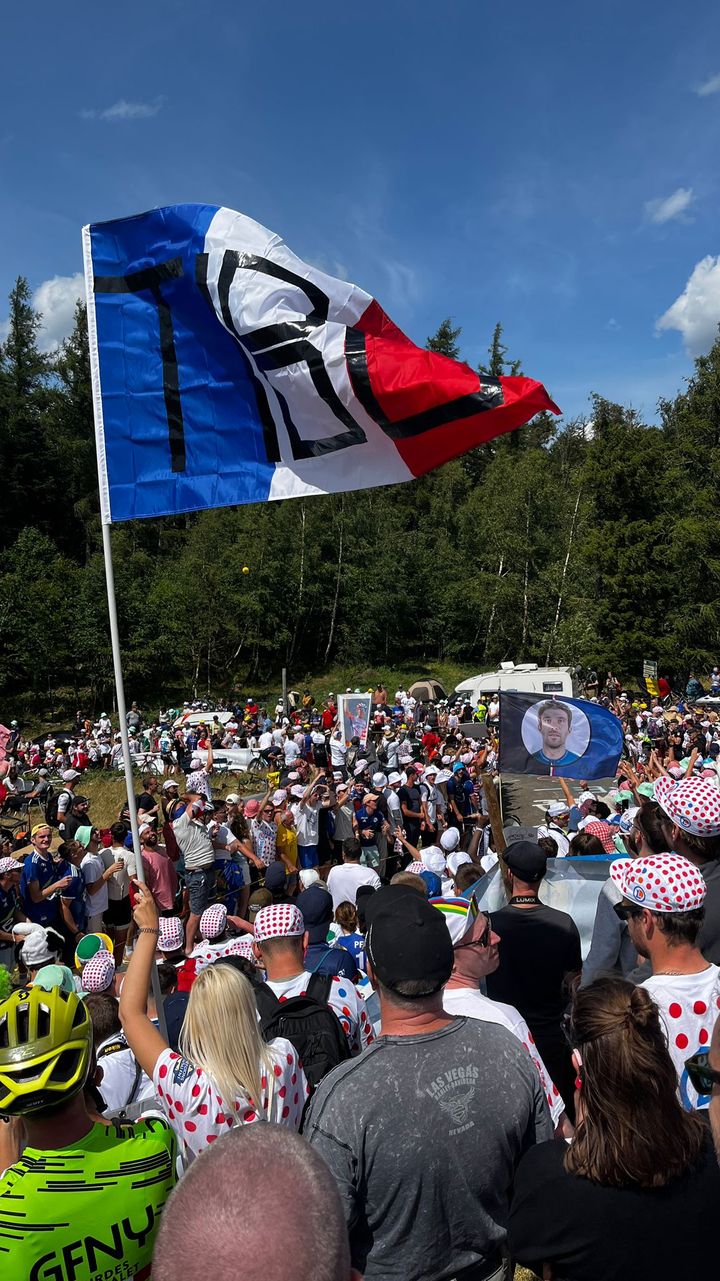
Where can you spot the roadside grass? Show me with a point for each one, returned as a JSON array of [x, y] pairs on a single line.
[[107, 796]]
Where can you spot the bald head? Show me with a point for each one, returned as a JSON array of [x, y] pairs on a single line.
[[224, 1209]]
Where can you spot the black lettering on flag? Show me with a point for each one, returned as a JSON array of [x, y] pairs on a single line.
[[149, 281], [277, 346], [488, 396]]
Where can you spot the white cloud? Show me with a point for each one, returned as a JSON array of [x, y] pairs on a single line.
[[403, 282], [124, 110], [55, 299], [708, 86], [696, 313], [674, 206]]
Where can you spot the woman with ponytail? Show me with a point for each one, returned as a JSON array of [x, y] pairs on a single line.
[[635, 1192]]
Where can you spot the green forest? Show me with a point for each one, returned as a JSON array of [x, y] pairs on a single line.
[[554, 543]]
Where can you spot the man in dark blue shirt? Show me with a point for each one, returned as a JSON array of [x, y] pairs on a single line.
[[368, 823], [70, 856], [40, 883], [316, 906], [459, 796]]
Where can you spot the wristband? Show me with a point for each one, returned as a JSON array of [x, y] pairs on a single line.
[[147, 929]]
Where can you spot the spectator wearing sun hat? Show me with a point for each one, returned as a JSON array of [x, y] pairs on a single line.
[[691, 826], [663, 901], [557, 817], [41, 945], [454, 860], [602, 832]]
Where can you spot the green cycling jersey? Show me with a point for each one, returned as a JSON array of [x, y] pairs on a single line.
[[99, 1222]]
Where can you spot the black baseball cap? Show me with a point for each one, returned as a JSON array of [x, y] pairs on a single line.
[[316, 906], [407, 938], [526, 860]]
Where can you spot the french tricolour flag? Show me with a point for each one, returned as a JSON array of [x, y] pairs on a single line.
[[226, 370]]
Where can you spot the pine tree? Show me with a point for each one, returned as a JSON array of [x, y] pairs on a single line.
[[26, 480], [445, 339], [498, 365], [72, 444], [691, 528]]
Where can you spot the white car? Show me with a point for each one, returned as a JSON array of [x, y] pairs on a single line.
[[232, 760], [186, 719]]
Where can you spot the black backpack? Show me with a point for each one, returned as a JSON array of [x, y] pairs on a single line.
[[51, 806], [310, 1025]]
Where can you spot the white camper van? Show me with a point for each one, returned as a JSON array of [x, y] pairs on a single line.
[[520, 678]]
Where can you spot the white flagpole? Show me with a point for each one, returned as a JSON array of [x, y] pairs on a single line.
[[120, 699], [105, 518], [125, 739]]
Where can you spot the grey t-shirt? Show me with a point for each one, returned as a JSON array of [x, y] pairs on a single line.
[[423, 1135], [195, 842]]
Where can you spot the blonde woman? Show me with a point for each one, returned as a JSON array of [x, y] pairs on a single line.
[[225, 1074]]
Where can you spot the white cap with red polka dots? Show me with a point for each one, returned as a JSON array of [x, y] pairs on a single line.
[[213, 921], [280, 920], [661, 883], [693, 804]]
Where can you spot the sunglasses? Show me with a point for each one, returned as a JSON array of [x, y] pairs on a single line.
[[566, 1027], [483, 941], [702, 1076], [624, 913]]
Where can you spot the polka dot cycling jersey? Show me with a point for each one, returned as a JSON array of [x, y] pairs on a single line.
[[689, 1005], [344, 999], [198, 1113]]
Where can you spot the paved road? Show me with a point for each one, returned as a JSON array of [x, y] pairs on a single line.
[[525, 797]]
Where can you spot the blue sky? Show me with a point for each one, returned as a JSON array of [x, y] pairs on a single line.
[[551, 166]]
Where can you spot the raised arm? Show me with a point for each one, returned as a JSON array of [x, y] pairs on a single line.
[[144, 1039]]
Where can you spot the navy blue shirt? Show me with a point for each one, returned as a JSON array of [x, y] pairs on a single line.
[[460, 791], [74, 895], [43, 870], [372, 822]]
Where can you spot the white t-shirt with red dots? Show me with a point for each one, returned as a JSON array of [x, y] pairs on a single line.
[[472, 1004], [344, 999], [198, 1114], [689, 1005]]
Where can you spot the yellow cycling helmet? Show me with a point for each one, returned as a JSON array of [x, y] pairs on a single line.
[[45, 1049]]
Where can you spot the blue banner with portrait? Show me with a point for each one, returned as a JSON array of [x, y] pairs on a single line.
[[557, 736]]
